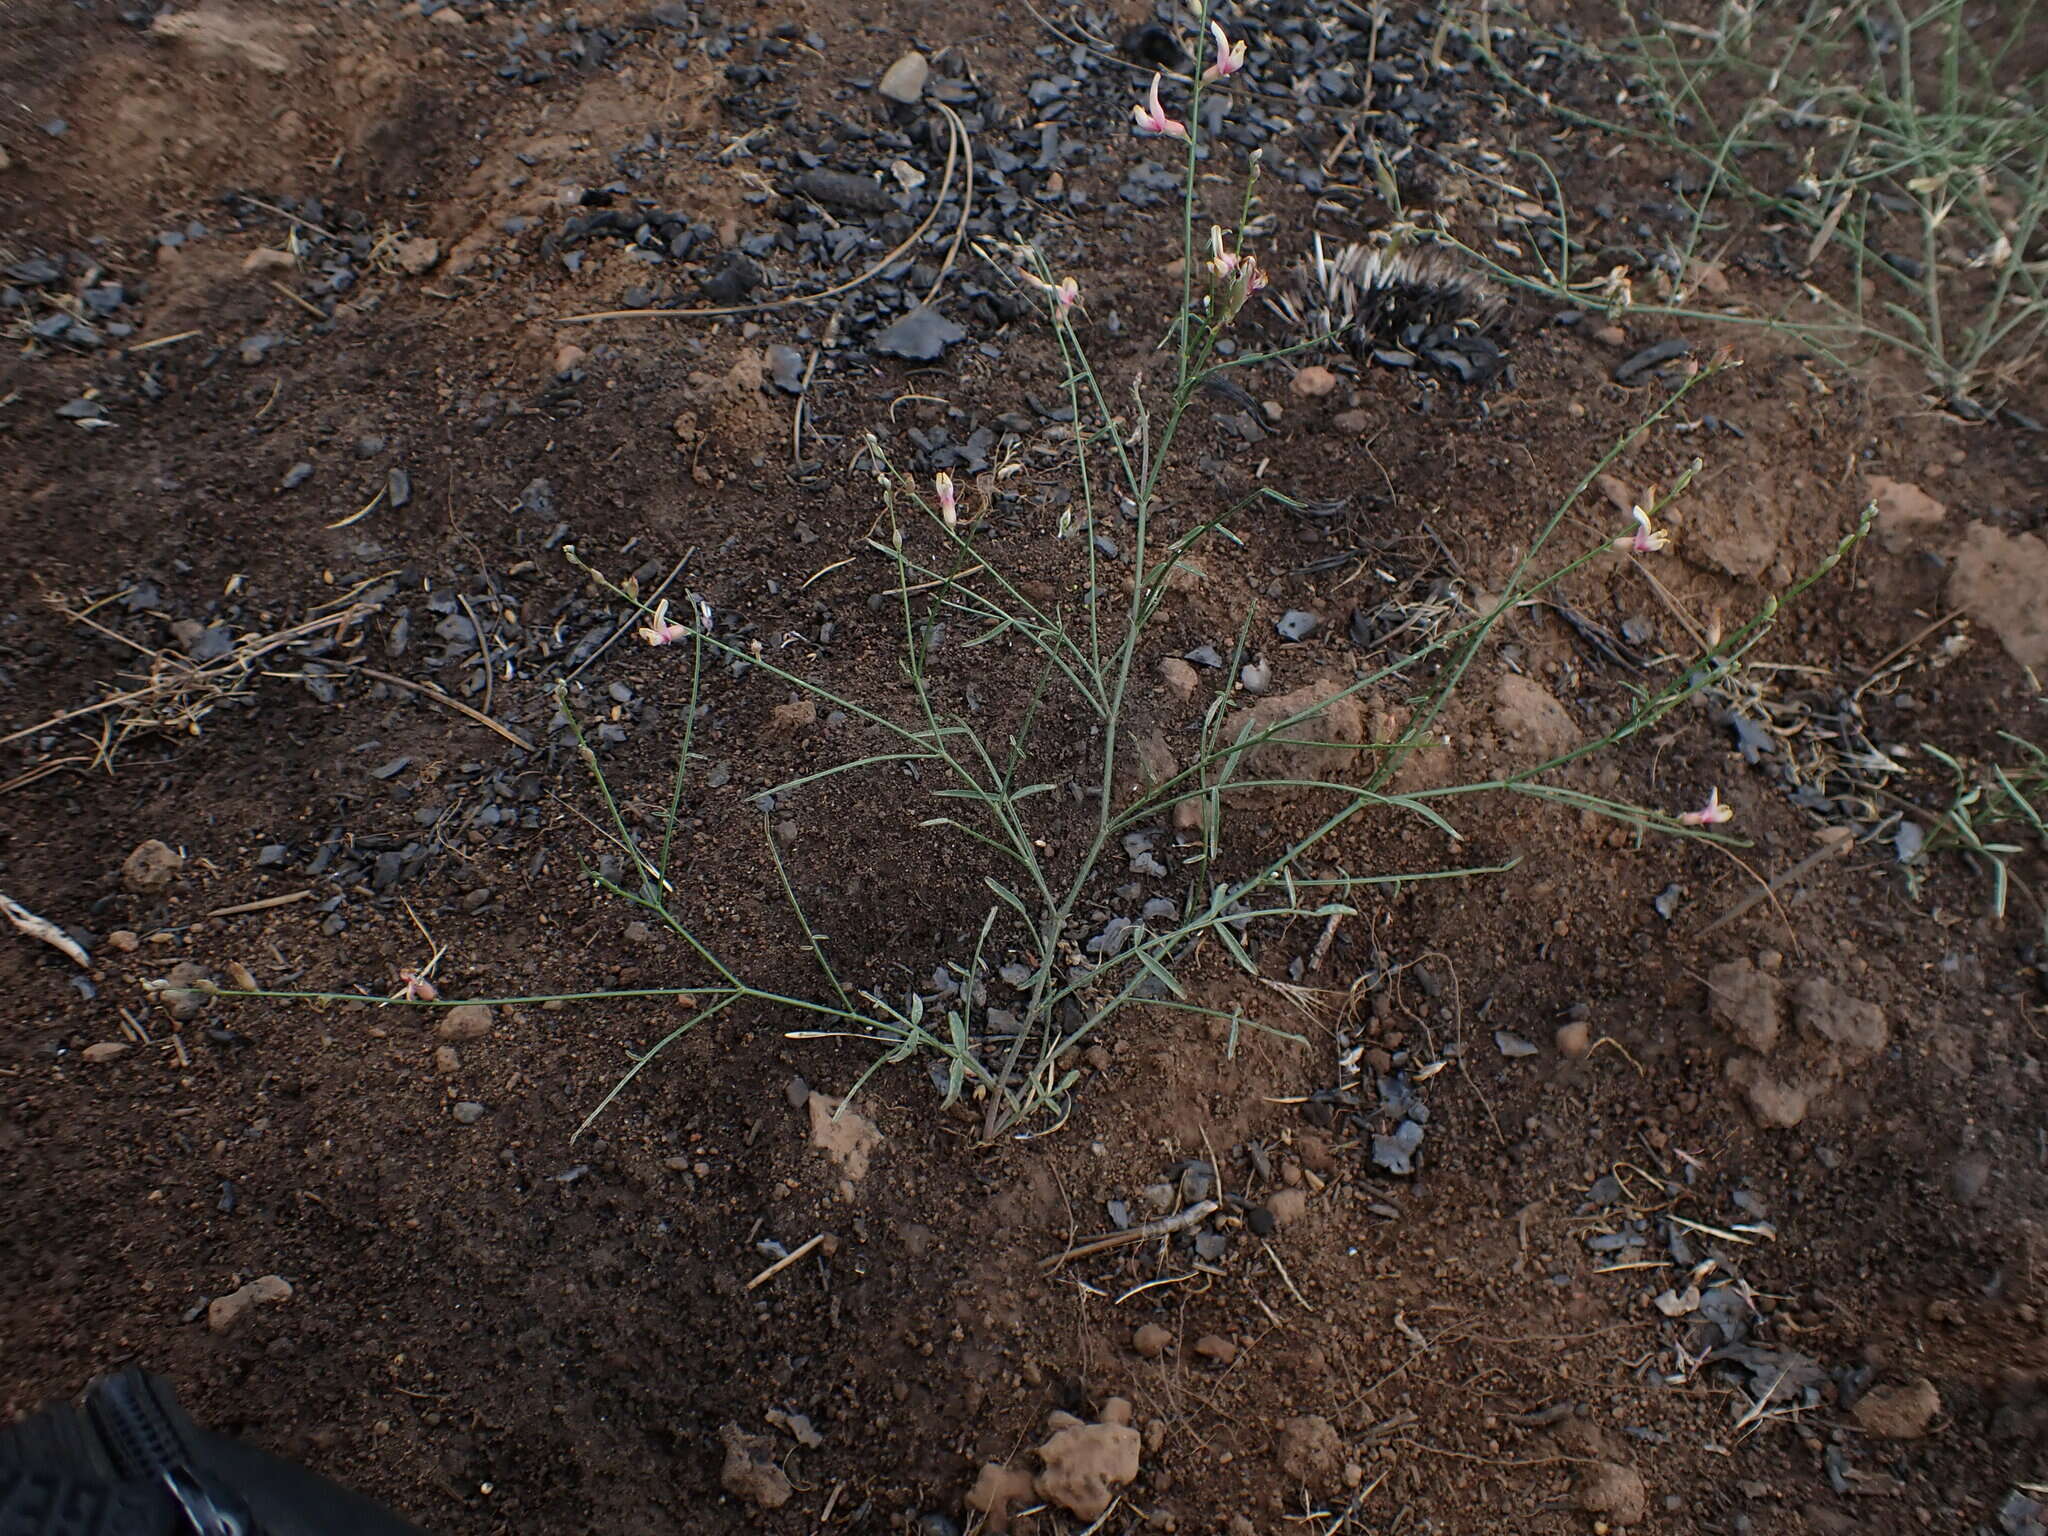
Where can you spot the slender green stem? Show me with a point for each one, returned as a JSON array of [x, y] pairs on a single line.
[[675, 797]]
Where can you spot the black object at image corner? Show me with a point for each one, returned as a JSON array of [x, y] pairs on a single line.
[[126, 1460]]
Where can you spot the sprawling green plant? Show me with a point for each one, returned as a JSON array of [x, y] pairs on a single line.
[[1907, 142], [1997, 815], [992, 792]]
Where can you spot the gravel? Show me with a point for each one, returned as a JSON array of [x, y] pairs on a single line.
[[904, 81], [921, 336]]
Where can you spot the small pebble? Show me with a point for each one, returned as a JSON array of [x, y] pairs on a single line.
[[225, 1311], [904, 80], [920, 336], [1151, 1341], [149, 867], [786, 368], [1969, 1178], [470, 1021], [468, 1112]]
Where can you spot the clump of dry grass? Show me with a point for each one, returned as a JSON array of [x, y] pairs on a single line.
[[167, 694]]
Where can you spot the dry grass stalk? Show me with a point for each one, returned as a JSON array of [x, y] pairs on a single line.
[[175, 693]]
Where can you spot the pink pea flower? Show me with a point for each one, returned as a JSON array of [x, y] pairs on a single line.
[[1229, 56], [661, 630], [949, 507], [1151, 116], [1066, 293], [1244, 278], [1647, 539], [415, 988], [1222, 261], [1712, 814]]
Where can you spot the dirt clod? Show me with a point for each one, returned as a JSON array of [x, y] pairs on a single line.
[[1085, 1464], [1610, 1489], [225, 37], [1748, 1001], [1827, 1015], [1309, 1450], [150, 867], [1999, 578], [1180, 676], [1213, 1346], [416, 255], [1900, 1411], [751, 1469], [1530, 718], [995, 1489], [1313, 382], [1151, 1340], [223, 1312], [1775, 1100], [1906, 515], [844, 1135], [471, 1021], [1318, 747], [790, 720]]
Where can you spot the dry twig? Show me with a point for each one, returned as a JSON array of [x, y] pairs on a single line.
[[1166, 1226], [785, 1261], [26, 922], [428, 691], [176, 693]]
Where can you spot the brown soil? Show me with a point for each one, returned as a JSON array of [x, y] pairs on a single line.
[[494, 1326]]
